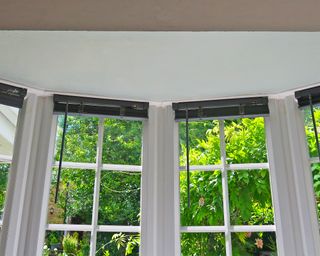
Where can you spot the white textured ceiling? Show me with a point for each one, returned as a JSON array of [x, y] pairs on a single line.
[[161, 66]]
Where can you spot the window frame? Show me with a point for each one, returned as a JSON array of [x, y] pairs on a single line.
[[227, 229], [97, 167], [297, 229]]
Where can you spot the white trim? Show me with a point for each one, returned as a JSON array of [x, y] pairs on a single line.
[[160, 231], [47, 184], [246, 167], [90, 228], [32, 216], [222, 229], [234, 167], [96, 193], [74, 165], [149, 184], [314, 160], [68, 227], [253, 228], [5, 159], [225, 191], [302, 174], [104, 167], [121, 168], [176, 195], [289, 240], [114, 228], [203, 229], [12, 219]]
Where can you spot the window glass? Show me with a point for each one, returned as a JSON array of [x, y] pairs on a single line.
[[117, 190], [4, 172], [206, 205], [80, 140], [234, 194], [62, 243], [75, 197], [8, 122], [122, 142], [312, 145], [202, 244], [316, 185], [203, 143], [120, 198], [245, 140], [313, 152], [117, 244], [254, 243], [250, 197]]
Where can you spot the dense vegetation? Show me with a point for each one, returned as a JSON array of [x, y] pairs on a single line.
[[250, 198], [119, 199], [249, 191]]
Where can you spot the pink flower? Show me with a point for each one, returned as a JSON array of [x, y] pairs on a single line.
[[248, 234], [259, 243], [201, 201]]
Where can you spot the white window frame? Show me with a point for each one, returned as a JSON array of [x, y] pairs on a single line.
[[289, 167], [227, 228], [98, 167]]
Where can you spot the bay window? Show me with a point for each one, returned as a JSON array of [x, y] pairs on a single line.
[[97, 211]]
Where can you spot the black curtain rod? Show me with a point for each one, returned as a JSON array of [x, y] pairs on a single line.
[[11, 95], [254, 106], [96, 106], [303, 96], [63, 99], [250, 101]]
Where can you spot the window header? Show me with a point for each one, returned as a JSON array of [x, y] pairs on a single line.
[[11, 95], [221, 108], [304, 96], [96, 106]]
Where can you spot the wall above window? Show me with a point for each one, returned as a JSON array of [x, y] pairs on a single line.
[[160, 15], [161, 66]]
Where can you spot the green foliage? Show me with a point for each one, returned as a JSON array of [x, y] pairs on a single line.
[[127, 243], [70, 244], [119, 201], [4, 170], [313, 151], [249, 191], [202, 244]]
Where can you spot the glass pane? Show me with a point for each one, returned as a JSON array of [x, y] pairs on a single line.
[[75, 200], [119, 198], [316, 185], [206, 206], [248, 244], [4, 171], [117, 244], [310, 131], [203, 142], [245, 140], [202, 244], [250, 197], [8, 122], [122, 142], [66, 243], [81, 139]]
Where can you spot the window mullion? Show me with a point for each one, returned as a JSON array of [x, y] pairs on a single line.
[[224, 174], [95, 209]]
